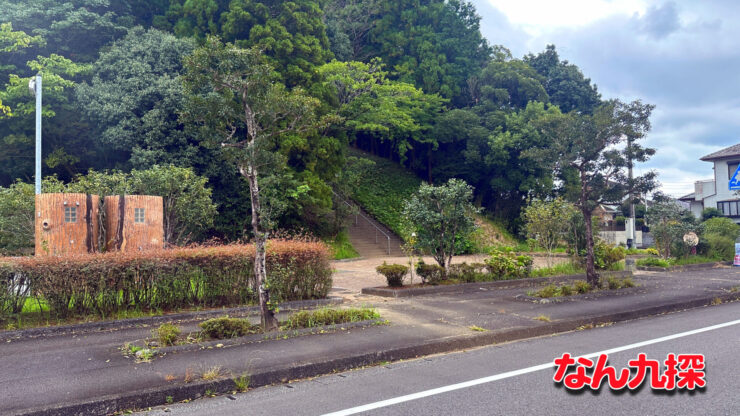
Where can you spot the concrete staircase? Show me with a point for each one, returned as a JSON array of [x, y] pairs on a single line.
[[364, 231]]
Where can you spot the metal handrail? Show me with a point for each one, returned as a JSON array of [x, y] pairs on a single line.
[[377, 229]]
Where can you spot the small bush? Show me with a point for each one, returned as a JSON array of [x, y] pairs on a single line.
[[393, 273], [431, 274], [627, 282], [566, 290], [653, 262], [548, 291], [225, 327], [167, 334], [506, 265], [720, 246], [613, 283], [468, 273], [328, 316], [581, 286], [606, 255], [651, 251]]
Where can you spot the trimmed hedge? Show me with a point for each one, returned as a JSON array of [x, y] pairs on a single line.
[[164, 279]]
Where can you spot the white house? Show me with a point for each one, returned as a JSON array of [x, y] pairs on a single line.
[[716, 193]]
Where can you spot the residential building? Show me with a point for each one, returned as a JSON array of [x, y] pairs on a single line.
[[716, 193]]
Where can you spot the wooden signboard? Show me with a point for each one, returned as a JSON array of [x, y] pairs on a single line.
[[134, 222], [66, 224]]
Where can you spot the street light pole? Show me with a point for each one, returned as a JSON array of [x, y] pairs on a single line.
[[36, 90]]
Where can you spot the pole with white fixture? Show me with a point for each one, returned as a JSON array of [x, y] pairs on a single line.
[[35, 86]]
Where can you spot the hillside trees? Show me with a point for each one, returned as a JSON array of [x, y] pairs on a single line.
[[134, 98]]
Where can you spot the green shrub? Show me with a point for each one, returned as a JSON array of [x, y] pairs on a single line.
[[167, 334], [467, 272], [506, 265], [566, 290], [720, 246], [225, 327], [341, 247], [107, 283], [627, 282], [721, 226], [393, 273], [329, 316], [558, 269], [613, 283], [582, 286], [653, 262], [430, 273], [606, 255], [548, 291], [651, 251]]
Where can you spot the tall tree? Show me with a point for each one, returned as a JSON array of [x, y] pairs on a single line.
[[134, 98], [435, 45], [235, 99], [593, 146], [564, 82]]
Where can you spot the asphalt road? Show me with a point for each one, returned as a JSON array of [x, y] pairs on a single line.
[[531, 392]]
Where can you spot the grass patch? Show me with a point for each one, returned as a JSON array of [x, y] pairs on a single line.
[[212, 373], [558, 269], [476, 328], [328, 316], [383, 193], [543, 318], [581, 286], [241, 383], [166, 334], [225, 327], [683, 261], [341, 248]]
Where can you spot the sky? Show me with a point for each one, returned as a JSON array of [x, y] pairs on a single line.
[[681, 56]]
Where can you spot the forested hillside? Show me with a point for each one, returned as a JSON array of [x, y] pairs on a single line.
[[411, 81]]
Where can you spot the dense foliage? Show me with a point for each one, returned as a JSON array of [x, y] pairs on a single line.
[[413, 82]]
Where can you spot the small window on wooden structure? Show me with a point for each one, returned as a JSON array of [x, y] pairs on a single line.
[[70, 214], [139, 215]]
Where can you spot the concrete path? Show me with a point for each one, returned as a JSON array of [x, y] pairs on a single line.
[[58, 371]]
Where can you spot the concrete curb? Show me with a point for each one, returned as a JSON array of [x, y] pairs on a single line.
[[154, 320], [178, 392], [498, 284], [684, 268]]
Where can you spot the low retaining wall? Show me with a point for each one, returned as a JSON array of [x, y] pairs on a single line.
[[685, 267], [497, 284]]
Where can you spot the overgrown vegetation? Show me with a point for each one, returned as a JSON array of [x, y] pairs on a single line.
[[581, 287], [341, 247]]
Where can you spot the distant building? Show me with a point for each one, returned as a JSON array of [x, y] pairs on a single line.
[[716, 193]]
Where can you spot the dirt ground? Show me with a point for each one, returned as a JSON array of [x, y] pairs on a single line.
[[350, 276]]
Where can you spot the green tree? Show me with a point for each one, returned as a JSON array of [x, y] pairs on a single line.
[[435, 45], [564, 82], [669, 222], [61, 149], [439, 215], [291, 34], [135, 96], [234, 97], [709, 213], [594, 147], [548, 222]]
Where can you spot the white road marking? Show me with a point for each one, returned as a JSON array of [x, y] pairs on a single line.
[[508, 374]]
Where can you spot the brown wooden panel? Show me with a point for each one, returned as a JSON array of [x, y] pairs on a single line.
[[145, 234], [56, 235]]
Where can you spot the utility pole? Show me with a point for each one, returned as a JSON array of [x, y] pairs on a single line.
[[631, 226], [35, 87]]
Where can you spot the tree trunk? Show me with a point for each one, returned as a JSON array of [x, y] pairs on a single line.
[[269, 322], [591, 277]]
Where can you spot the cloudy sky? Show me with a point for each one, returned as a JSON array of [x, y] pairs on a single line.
[[682, 56]]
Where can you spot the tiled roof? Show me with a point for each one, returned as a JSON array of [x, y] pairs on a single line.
[[733, 150], [691, 196]]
